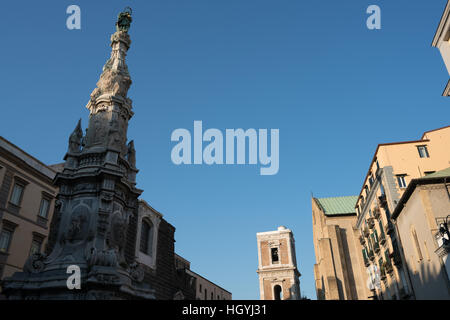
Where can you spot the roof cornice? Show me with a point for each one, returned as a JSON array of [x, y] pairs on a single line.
[[443, 25]]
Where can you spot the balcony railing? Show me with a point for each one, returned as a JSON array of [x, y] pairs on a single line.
[[371, 223], [388, 266], [389, 227], [382, 238], [377, 213], [366, 261], [383, 271], [371, 255], [366, 232], [362, 239], [396, 257], [382, 201], [376, 247]]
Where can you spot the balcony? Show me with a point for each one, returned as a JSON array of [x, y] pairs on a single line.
[[388, 267], [396, 257], [371, 255], [382, 238], [366, 232], [362, 239], [382, 201], [377, 213], [389, 228], [376, 247], [371, 222], [366, 261], [383, 271]]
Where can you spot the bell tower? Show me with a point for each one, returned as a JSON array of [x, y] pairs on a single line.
[[95, 220], [277, 265]]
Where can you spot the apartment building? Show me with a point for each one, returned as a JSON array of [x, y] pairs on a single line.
[[392, 168], [27, 198]]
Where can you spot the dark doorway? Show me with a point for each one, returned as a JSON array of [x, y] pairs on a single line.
[[277, 292]]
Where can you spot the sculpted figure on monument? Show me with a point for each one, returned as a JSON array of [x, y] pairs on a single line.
[[124, 20], [35, 263], [117, 235], [77, 225], [131, 155]]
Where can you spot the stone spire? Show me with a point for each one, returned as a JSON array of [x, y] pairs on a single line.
[[75, 139], [110, 108], [94, 225]]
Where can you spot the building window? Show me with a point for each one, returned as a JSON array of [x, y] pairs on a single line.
[[44, 208], [423, 151], [16, 195], [206, 295], [274, 253], [35, 247], [6, 235], [212, 295], [5, 240], [146, 242], [200, 287], [401, 180], [371, 180]]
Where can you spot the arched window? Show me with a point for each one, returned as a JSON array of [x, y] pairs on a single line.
[[146, 243], [277, 292]]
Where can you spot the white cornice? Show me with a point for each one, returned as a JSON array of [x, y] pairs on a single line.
[[443, 26]]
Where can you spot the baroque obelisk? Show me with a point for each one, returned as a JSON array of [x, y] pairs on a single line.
[[95, 220]]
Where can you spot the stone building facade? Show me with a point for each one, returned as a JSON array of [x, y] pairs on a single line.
[[155, 252], [441, 41], [392, 168], [208, 290], [27, 198], [277, 265], [336, 247], [420, 214]]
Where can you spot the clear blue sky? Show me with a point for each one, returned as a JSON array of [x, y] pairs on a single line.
[[309, 68]]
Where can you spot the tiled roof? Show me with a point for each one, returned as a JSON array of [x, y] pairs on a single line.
[[439, 174], [338, 205]]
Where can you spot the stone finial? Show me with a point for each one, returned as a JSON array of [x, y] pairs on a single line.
[[75, 139]]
